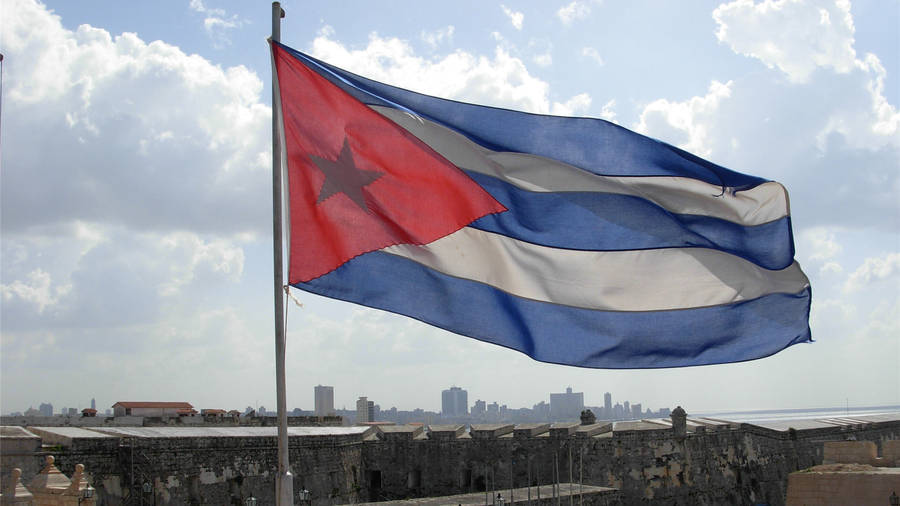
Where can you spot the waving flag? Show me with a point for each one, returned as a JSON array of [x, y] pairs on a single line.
[[572, 240]]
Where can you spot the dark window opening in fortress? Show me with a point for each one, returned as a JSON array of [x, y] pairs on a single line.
[[414, 479], [374, 480], [465, 479], [479, 484]]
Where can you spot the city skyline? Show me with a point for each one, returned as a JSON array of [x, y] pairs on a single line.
[[607, 402], [136, 252]]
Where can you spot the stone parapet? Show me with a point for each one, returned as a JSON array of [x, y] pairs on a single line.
[[563, 430], [491, 431], [401, 432], [445, 432], [594, 429], [529, 430]]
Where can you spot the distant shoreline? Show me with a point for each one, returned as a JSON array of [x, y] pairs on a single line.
[[797, 413]]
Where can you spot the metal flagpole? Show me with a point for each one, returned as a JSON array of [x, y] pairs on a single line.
[[284, 480]]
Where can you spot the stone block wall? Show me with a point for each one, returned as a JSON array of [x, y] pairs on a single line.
[[858, 485], [737, 464], [724, 464], [850, 452]]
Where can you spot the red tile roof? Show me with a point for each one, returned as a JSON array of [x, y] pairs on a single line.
[[177, 405]]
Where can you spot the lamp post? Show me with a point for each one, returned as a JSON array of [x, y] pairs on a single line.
[[147, 489], [87, 493]]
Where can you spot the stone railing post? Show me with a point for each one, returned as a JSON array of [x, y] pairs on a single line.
[[679, 423], [16, 493]]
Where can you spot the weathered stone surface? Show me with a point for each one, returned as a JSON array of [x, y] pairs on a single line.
[[856, 484], [491, 430], [445, 432], [733, 464]]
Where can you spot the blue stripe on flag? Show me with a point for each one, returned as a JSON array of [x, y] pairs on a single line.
[[607, 221], [566, 335], [591, 144]]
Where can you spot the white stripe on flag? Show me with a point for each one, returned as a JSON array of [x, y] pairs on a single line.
[[677, 278], [756, 206]]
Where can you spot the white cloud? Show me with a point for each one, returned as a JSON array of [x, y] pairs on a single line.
[[593, 54], [684, 124], [543, 52], [500, 80], [608, 112], [217, 23], [873, 270], [434, 38], [189, 257], [515, 17], [831, 268], [573, 11], [883, 322], [125, 125], [799, 38], [543, 59], [35, 290], [823, 243], [126, 221], [577, 104]]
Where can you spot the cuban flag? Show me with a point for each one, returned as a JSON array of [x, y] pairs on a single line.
[[572, 240]]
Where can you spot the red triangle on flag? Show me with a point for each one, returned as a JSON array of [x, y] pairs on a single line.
[[358, 182]]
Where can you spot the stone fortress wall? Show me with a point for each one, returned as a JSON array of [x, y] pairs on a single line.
[[704, 462]]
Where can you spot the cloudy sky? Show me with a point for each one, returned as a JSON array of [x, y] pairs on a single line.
[[136, 151]]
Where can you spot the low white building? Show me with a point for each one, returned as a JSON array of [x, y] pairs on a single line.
[[160, 409]]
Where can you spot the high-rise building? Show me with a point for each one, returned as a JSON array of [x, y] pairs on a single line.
[[454, 402], [46, 409], [479, 408], [566, 406], [365, 410], [627, 410], [324, 401], [636, 411], [607, 406], [93, 403]]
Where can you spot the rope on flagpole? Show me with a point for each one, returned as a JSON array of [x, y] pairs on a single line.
[[287, 290]]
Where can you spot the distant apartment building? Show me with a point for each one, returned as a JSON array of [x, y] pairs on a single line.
[[479, 408], [607, 406], [365, 410], [566, 406], [46, 409], [454, 402], [324, 401], [636, 411], [93, 404], [541, 411], [153, 409]]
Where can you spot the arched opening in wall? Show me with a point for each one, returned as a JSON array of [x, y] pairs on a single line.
[[414, 479]]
